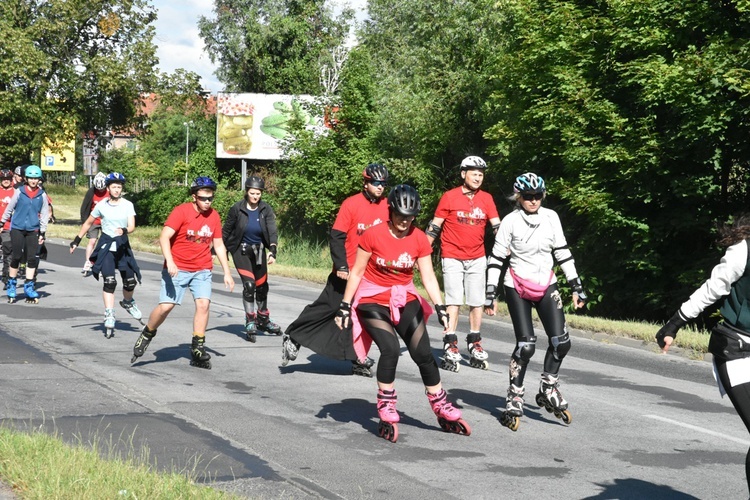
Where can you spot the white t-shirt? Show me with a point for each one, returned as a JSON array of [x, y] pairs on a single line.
[[113, 216]]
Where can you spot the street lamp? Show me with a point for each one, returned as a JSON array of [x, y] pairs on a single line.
[[187, 146]]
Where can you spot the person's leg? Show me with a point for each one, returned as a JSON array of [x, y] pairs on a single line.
[[739, 395]]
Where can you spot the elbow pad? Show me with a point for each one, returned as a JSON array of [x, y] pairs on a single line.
[[433, 230]]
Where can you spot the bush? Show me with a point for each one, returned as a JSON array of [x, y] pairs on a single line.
[[154, 206]]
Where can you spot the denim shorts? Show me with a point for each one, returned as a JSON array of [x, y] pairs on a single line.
[[173, 289], [464, 278]]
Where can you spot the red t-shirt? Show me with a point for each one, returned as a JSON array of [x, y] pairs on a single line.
[[96, 199], [393, 259], [355, 216], [194, 234], [466, 218], [5, 196]]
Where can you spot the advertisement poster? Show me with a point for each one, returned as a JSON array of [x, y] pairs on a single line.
[[252, 126], [64, 161]]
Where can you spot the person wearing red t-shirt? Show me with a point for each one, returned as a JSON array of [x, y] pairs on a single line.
[[186, 240], [93, 196], [6, 193], [315, 327], [461, 224], [382, 304]]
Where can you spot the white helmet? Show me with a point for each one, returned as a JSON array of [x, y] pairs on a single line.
[[473, 162], [100, 181]]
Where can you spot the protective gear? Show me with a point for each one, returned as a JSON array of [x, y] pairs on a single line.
[[248, 291], [529, 183], [255, 182], [344, 314], [114, 178], [33, 172], [472, 163], [524, 351], [18, 171], [560, 345], [442, 314], [404, 199], [577, 287], [100, 181], [433, 230], [489, 295], [110, 284], [128, 284], [670, 329], [76, 241], [202, 183], [375, 172], [6, 174]]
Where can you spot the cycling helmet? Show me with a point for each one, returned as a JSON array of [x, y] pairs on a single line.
[[19, 171], [114, 178], [473, 162], [529, 183], [375, 172], [6, 174], [33, 172], [404, 200], [100, 181], [202, 183], [255, 182]]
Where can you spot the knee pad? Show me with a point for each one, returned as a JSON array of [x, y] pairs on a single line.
[[248, 291], [110, 284], [525, 348], [261, 292], [128, 284], [560, 345]]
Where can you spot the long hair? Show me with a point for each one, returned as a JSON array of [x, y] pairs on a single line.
[[734, 232]]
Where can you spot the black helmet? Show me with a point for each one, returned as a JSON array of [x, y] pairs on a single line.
[[375, 172], [404, 199], [255, 182]]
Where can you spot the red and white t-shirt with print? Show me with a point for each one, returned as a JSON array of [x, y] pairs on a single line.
[[393, 259], [465, 220], [5, 196], [194, 234], [355, 216], [98, 196]]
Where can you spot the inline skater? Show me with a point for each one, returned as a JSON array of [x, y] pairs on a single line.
[[315, 327], [96, 193], [187, 237], [113, 252], [6, 193], [460, 222], [529, 241], [28, 212], [249, 233], [381, 302]]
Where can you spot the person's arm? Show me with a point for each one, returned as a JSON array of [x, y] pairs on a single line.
[[221, 253], [273, 234], [44, 215], [82, 232], [496, 262], [431, 285], [343, 317], [433, 229], [166, 249], [495, 224]]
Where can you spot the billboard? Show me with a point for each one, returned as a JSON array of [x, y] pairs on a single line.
[[252, 126], [62, 161]]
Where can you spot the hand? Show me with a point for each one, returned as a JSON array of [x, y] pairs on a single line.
[[73, 244], [173, 270], [271, 258], [579, 296], [443, 317], [667, 333], [490, 307], [578, 302], [343, 274], [344, 315], [228, 282], [490, 310]]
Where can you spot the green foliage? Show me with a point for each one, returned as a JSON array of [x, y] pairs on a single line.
[[153, 206]]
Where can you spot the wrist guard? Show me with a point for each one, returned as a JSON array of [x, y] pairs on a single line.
[[76, 241], [676, 322], [577, 287], [344, 314], [489, 295], [443, 316]]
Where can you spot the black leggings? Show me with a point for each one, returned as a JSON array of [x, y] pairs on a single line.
[[739, 395], [376, 321], [551, 315], [24, 240], [254, 276]]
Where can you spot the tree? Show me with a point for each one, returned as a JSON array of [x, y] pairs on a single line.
[[272, 46], [68, 66]]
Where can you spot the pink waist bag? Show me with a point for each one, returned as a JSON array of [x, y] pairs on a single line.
[[528, 290]]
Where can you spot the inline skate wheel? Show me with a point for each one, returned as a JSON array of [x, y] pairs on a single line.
[[457, 427], [388, 431], [201, 364], [512, 422], [475, 363], [109, 333], [541, 402], [32, 301], [133, 359], [449, 366], [565, 416]]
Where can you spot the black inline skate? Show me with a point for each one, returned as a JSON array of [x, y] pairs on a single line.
[[199, 357], [363, 369], [451, 356], [144, 339], [251, 330], [551, 399], [289, 350], [265, 324], [477, 355], [511, 418]]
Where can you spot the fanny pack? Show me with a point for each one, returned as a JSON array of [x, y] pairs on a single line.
[[726, 344], [528, 290]]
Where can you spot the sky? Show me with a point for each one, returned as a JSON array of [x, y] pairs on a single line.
[[179, 42]]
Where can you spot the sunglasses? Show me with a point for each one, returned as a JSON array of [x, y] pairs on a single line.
[[378, 183], [205, 198], [529, 196]]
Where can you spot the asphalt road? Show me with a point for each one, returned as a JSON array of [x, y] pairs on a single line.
[[644, 425]]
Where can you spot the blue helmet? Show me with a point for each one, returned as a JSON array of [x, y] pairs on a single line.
[[114, 178], [529, 183], [202, 183], [33, 172]]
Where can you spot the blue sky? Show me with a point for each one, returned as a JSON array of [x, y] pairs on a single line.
[[179, 43]]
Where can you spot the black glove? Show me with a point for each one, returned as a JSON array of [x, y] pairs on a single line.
[[43, 236], [670, 329], [489, 295], [577, 287], [272, 251], [76, 241], [345, 314], [443, 317]]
